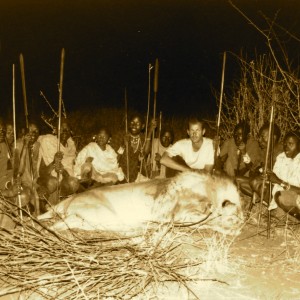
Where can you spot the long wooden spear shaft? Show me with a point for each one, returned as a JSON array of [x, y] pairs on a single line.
[[14, 106], [267, 164], [61, 79], [150, 67], [153, 161], [126, 131], [24, 88], [155, 87], [155, 90], [159, 129], [220, 106], [16, 152], [16, 162], [159, 134], [36, 200]]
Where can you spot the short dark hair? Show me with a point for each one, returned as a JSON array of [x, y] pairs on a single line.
[[244, 126], [194, 119], [34, 122], [167, 129], [104, 128], [294, 134], [276, 130], [136, 115]]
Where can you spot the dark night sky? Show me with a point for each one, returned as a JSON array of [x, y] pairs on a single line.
[[110, 43]]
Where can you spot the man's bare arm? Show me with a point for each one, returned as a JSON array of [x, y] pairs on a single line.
[[167, 161]]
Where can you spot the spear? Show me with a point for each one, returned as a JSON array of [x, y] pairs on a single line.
[[36, 200], [265, 169], [150, 67], [14, 107], [158, 140], [16, 152], [268, 159], [61, 79], [126, 131], [62, 61], [155, 89], [24, 88], [159, 129], [220, 107]]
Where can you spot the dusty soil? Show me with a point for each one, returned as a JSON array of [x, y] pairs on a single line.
[[259, 265]]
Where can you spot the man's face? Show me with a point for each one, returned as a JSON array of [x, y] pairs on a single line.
[[239, 136], [291, 146], [263, 138], [2, 132], [33, 132], [65, 132], [166, 139], [135, 126], [9, 133], [196, 132], [102, 138]]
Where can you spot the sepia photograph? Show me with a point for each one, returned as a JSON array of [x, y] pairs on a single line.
[[149, 149]]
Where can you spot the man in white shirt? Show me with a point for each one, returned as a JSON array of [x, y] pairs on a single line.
[[98, 161], [52, 162], [197, 151], [286, 177]]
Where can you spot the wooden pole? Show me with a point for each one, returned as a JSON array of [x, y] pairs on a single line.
[[150, 67], [159, 128], [126, 131], [222, 91], [159, 134], [268, 151], [14, 106], [62, 62], [155, 90], [220, 108], [61, 78], [155, 87], [36, 200], [16, 154], [24, 88]]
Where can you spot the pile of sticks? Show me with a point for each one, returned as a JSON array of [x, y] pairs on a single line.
[[97, 265]]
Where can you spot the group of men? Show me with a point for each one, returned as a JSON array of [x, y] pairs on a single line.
[[50, 170], [247, 161]]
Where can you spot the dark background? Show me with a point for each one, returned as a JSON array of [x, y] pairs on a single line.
[[110, 43]]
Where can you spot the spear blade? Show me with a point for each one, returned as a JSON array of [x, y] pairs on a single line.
[[24, 88]]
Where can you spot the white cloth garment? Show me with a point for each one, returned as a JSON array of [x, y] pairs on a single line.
[[103, 161], [288, 170], [48, 148]]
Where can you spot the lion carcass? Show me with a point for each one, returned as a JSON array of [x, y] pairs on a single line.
[[187, 198]]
